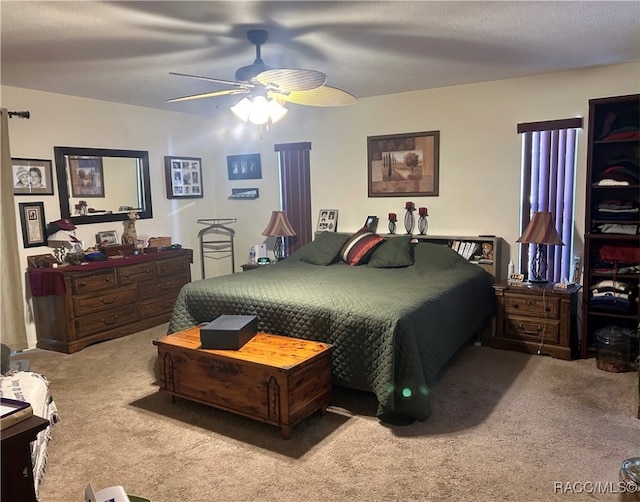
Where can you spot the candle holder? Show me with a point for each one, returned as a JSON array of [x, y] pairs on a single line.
[[423, 224], [408, 217], [392, 223]]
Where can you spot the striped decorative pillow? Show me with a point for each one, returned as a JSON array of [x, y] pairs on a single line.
[[359, 247]]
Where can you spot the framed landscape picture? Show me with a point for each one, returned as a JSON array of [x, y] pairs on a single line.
[[401, 165], [244, 167], [183, 177], [86, 176], [32, 176]]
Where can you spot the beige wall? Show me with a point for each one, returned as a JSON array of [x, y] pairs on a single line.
[[479, 154]]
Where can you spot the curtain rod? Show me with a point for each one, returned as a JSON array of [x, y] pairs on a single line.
[[22, 115]]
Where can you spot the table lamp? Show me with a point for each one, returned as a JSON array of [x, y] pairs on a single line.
[[541, 230], [279, 227]]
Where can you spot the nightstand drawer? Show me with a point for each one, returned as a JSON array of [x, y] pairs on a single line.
[[542, 306], [530, 329]]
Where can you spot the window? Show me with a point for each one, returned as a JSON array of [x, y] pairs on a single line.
[[549, 151], [295, 191]]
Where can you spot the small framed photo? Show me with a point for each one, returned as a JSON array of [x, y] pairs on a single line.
[[244, 167], [32, 177], [86, 176], [371, 223], [108, 238], [33, 224], [328, 220], [184, 177]]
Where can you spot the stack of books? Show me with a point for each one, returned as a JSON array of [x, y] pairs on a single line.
[[466, 249]]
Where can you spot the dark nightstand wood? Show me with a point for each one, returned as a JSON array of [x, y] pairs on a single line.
[[17, 471], [537, 317]]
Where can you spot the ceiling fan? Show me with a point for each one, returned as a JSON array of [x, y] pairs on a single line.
[[261, 82]]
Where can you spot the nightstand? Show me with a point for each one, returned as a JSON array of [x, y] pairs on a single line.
[[537, 318]]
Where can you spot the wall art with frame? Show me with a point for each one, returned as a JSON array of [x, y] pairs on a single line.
[[327, 220], [183, 177], [401, 165], [32, 176], [33, 224], [86, 176], [107, 238], [244, 167]]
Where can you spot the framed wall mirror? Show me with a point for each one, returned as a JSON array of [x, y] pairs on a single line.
[[97, 185]]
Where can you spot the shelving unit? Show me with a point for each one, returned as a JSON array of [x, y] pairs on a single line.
[[610, 241]]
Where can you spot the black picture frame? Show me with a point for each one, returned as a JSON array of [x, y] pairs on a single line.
[[32, 220], [244, 167], [371, 223], [32, 167], [183, 177], [403, 165]]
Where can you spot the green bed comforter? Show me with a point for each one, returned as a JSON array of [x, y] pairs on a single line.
[[393, 329]]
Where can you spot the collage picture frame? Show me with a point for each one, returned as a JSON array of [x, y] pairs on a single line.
[[327, 220], [183, 177]]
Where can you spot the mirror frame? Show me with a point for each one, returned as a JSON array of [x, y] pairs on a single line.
[[60, 153]]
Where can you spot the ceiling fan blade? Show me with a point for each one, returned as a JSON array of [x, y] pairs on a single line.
[[226, 92], [291, 79], [244, 85], [322, 96]]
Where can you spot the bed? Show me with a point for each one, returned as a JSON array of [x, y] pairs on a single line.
[[395, 318]]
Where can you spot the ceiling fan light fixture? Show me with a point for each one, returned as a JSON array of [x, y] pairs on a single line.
[[259, 111], [242, 109]]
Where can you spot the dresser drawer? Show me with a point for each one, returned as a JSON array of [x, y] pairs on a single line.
[[531, 329], [539, 306], [163, 288], [136, 273], [176, 266], [117, 297], [152, 308], [93, 281], [113, 318]]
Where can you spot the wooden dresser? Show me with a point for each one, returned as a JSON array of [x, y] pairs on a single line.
[[537, 318], [78, 305]]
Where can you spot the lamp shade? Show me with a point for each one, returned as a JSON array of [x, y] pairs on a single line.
[[279, 226], [541, 230]]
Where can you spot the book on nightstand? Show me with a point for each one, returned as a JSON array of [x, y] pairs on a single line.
[[13, 412]]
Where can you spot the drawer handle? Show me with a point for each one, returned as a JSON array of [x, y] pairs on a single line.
[[531, 303], [529, 332], [110, 320], [137, 271], [166, 286], [106, 301], [83, 284], [515, 306]]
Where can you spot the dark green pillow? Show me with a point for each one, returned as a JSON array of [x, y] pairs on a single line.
[[393, 252], [324, 249]]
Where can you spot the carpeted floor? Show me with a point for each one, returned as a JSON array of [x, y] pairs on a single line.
[[506, 427]]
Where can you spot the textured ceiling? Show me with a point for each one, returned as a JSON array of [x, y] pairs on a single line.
[[123, 51]]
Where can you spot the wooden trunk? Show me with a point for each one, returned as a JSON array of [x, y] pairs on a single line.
[[275, 379]]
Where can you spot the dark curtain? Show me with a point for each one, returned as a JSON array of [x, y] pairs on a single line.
[[295, 191]]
